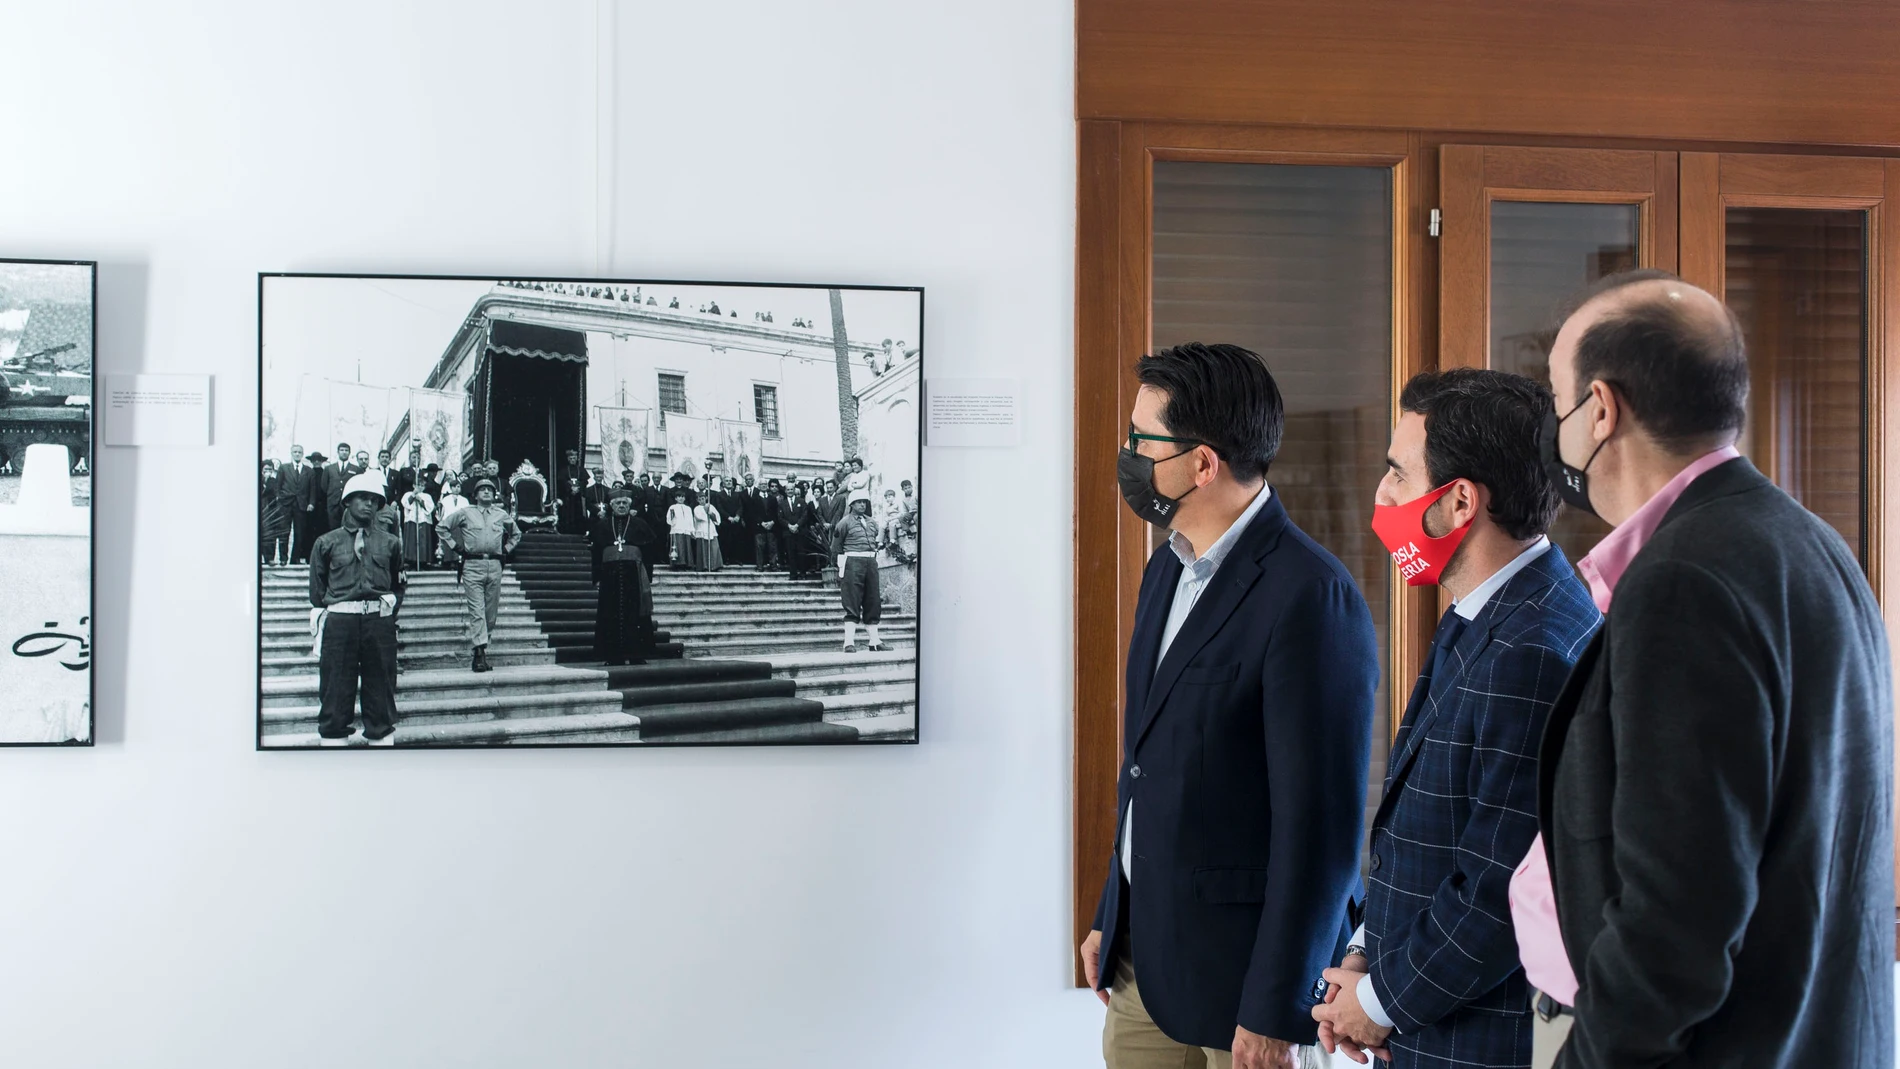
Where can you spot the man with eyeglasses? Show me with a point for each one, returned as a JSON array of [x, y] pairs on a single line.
[[1247, 738]]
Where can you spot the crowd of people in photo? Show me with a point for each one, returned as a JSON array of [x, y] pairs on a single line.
[[362, 528], [783, 524], [709, 522]]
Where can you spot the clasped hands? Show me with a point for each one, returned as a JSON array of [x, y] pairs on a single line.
[[1343, 1022]]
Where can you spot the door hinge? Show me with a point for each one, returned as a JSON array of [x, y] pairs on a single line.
[[1436, 219]]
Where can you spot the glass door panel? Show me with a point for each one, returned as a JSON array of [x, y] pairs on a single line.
[[1542, 254], [1295, 263], [1797, 280]]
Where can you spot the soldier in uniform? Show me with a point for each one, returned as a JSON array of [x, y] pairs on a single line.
[[482, 535], [356, 575], [854, 543]]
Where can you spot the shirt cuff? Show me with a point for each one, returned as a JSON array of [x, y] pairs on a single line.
[[1358, 937], [1369, 1002]]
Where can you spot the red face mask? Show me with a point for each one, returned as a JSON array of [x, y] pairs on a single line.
[[1420, 557]]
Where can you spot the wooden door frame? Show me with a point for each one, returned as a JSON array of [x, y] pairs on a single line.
[[1474, 176], [1114, 289], [1714, 182]]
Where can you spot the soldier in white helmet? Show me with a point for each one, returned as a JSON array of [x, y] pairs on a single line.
[[481, 534], [356, 574], [854, 540]]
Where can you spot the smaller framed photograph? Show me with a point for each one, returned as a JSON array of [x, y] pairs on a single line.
[[47, 326]]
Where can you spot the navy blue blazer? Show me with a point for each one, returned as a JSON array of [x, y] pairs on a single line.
[[1246, 753], [1458, 816]]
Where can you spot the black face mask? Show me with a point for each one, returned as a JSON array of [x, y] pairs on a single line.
[[1573, 485], [1136, 474]]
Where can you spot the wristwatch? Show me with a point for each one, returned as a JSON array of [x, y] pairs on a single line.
[[1359, 950]]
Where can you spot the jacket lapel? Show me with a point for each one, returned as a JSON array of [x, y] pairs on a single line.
[[1402, 748], [1225, 591], [1477, 634], [1151, 617], [1536, 577]]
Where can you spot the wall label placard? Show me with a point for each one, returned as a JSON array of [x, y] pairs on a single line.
[[158, 410], [973, 413]]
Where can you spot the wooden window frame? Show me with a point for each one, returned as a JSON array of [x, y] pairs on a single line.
[[1114, 302], [772, 429]]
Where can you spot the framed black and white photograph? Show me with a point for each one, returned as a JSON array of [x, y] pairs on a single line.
[[47, 324], [586, 512]]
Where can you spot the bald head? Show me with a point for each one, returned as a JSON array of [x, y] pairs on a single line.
[[1670, 350]]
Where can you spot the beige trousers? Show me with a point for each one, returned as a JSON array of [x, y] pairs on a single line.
[[1547, 1037], [1130, 1039], [481, 591]]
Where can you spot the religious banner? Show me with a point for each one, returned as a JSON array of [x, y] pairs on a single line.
[[435, 423], [330, 412], [276, 438], [739, 441], [623, 442], [688, 440]]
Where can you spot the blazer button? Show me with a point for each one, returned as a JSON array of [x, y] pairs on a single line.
[[1135, 772], [1375, 862]]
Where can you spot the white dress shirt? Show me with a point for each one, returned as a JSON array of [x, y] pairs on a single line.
[[1468, 607], [1195, 575]]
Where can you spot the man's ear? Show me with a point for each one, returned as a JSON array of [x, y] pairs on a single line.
[[1610, 413], [1469, 501], [1206, 464]]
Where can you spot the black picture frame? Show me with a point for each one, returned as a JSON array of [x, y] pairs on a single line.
[[912, 737], [21, 426]]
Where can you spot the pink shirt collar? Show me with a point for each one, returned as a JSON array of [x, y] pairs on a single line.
[[1605, 564]]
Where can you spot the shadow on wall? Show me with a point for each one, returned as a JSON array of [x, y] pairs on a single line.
[[119, 349]]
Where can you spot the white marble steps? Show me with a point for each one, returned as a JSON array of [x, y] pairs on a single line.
[[798, 628], [701, 631], [585, 728], [592, 728], [874, 693], [458, 684], [773, 647], [760, 607], [459, 704], [430, 628], [416, 612], [747, 615]]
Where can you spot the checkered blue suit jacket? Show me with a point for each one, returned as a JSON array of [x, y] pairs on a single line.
[[1459, 814]]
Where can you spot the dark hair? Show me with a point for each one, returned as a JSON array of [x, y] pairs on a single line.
[[1222, 396], [1684, 377], [1483, 425]]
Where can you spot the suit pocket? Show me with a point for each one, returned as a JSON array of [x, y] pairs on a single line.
[[1230, 886], [1203, 675]]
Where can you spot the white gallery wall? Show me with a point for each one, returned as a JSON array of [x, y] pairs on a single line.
[[173, 898]]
